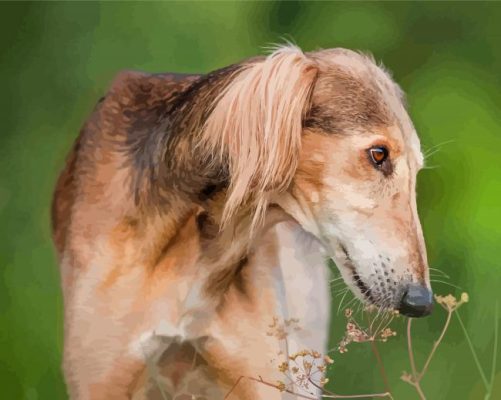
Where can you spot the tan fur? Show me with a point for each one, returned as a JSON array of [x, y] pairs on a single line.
[[186, 200], [257, 124]]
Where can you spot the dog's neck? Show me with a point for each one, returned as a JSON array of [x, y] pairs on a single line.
[[225, 249], [180, 180], [169, 162]]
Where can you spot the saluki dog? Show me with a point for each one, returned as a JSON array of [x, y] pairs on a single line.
[[195, 210]]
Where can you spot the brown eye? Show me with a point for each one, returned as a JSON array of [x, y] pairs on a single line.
[[378, 154]]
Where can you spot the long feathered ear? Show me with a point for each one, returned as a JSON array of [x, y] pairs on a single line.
[[256, 125]]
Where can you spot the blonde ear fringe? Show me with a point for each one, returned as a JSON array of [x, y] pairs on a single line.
[[256, 124]]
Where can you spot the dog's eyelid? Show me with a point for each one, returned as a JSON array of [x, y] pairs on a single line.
[[378, 154]]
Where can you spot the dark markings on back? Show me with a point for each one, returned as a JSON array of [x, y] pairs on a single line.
[[165, 117]]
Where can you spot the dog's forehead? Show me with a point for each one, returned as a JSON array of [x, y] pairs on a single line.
[[355, 94]]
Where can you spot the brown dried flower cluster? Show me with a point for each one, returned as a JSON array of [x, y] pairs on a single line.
[[450, 303], [377, 329], [282, 329], [304, 369]]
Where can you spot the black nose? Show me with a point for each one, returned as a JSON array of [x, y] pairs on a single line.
[[417, 301]]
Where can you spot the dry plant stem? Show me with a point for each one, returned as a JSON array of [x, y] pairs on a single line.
[[474, 354], [357, 396], [414, 382], [436, 344], [326, 394], [487, 384], [495, 352], [420, 392], [375, 350], [409, 347], [261, 380], [381, 366], [418, 376]]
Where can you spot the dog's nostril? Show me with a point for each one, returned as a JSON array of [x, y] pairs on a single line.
[[417, 301]]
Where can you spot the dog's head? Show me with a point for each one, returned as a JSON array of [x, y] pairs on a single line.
[[325, 135]]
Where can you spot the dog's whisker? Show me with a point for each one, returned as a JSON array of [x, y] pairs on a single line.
[[337, 282], [364, 292], [352, 301], [433, 149], [360, 307], [437, 276], [340, 292], [383, 322], [389, 321], [430, 154], [439, 271], [445, 283], [342, 300], [433, 273], [336, 292]]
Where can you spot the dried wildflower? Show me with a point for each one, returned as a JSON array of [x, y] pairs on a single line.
[[281, 386], [302, 381], [356, 335], [283, 367], [376, 331], [323, 381], [303, 367], [464, 297], [307, 365], [406, 377], [370, 308], [328, 360], [281, 334], [291, 321], [282, 329], [274, 323], [450, 303], [386, 333]]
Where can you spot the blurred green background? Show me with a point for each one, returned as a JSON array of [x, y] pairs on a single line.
[[58, 58]]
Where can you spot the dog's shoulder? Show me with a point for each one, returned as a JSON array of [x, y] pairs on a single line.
[[131, 109]]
